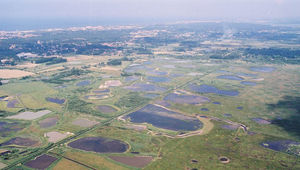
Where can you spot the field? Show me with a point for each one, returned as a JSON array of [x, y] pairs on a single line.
[[187, 98]]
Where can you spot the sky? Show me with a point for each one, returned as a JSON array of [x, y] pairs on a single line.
[[234, 10]]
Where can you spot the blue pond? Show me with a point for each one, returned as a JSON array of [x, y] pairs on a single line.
[[55, 100], [227, 115], [12, 103], [262, 69], [158, 79], [211, 89], [230, 77], [101, 91], [131, 78], [240, 108], [216, 103], [248, 83], [204, 109], [163, 118], [282, 146], [84, 83]]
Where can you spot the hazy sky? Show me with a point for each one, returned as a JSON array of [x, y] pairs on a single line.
[[151, 9]]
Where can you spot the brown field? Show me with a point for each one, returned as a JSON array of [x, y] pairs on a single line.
[[26, 65], [93, 160], [6, 73], [84, 122], [136, 161], [56, 136], [2, 165], [110, 83], [67, 164], [52, 69]]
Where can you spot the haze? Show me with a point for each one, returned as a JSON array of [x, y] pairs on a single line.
[[150, 9]]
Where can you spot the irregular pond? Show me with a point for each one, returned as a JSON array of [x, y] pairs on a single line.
[[262, 69], [6, 128], [163, 118], [248, 83], [158, 79], [288, 146], [41, 162], [230, 77], [157, 73], [106, 109], [99, 145], [55, 100], [12, 103], [101, 91], [211, 89], [84, 83], [131, 78], [216, 103], [20, 142], [227, 115], [230, 127], [204, 109], [96, 97], [261, 121], [142, 87], [186, 99]]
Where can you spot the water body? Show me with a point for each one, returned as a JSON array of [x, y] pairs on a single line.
[[186, 99], [12, 103], [248, 83], [158, 79], [55, 100], [84, 83], [163, 118], [142, 87], [247, 75], [106, 109], [230, 77], [101, 91], [216, 103], [282, 146], [262, 69], [131, 78], [99, 145], [211, 89]]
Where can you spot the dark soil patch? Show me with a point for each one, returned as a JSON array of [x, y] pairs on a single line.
[[136, 161], [99, 144], [163, 118], [106, 109], [41, 162], [230, 77], [55, 100], [186, 99], [49, 122], [194, 161], [211, 89], [20, 142]]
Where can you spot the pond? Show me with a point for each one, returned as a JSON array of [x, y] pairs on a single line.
[[55, 100], [99, 145], [84, 83], [288, 146], [163, 118], [230, 77], [41, 162], [262, 69], [142, 87], [106, 109], [20, 141], [248, 83], [211, 89], [49, 122], [186, 99], [158, 79]]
